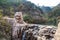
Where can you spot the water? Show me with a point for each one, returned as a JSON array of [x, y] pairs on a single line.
[[24, 34]]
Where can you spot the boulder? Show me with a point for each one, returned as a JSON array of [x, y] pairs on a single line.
[[35, 32]]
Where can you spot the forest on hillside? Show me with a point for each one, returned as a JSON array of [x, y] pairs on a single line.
[[46, 15], [31, 14]]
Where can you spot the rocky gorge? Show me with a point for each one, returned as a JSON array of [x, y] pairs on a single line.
[[37, 32]]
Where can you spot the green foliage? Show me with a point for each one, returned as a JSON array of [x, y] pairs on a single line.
[[5, 29], [29, 7], [52, 21], [28, 18], [1, 13], [9, 6], [55, 12], [53, 15]]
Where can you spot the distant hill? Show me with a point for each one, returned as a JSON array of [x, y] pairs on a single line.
[[16, 1], [46, 9], [56, 11], [31, 9], [54, 15], [35, 12]]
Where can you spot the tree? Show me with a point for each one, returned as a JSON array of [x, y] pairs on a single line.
[[28, 18], [54, 14]]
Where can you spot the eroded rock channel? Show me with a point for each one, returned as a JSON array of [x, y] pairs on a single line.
[[36, 32]]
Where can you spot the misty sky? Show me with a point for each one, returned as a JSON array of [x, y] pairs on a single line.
[[45, 2]]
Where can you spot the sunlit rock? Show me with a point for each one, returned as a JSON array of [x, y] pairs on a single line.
[[57, 34]]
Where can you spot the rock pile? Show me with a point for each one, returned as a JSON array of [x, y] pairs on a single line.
[[34, 32]]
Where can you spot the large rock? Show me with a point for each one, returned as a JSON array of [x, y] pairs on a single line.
[[57, 34], [37, 32]]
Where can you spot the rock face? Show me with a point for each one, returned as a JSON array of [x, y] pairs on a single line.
[[37, 32], [57, 34]]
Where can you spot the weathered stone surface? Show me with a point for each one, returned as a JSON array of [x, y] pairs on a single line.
[[37, 32], [57, 34]]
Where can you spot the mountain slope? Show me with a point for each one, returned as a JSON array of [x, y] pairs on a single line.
[[46, 9]]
